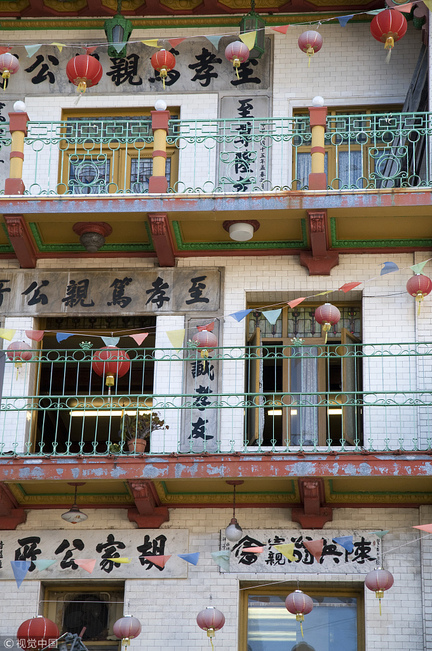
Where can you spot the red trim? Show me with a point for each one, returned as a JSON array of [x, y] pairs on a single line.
[[162, 239], [159, 152], [16, 154], [317, 150], [318, 115], [160, 119], [21, 240], [18, 122]]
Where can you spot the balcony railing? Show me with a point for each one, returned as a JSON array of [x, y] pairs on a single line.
[[350, 397]]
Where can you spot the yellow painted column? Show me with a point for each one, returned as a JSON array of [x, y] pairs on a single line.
[[318, 177], [158, 181], [18, 129]]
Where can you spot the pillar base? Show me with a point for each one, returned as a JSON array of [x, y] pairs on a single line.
[[14, 186], [318, 181]]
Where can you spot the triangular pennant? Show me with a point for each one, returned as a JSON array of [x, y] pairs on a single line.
[[424, 527], [110, 341], [61, 336], [20, 569], [248, 39], [315, 547], [160, 561], [418, 268], [374, 12], [283, 29], [253, 550], [5, 49], [175, 41], [272, 315], [286, 550], [35, 335], [296, 301], [222, 559], [7, 333], [119, 560], [347, 287], [428, 4], [42, 564], [140, 337], [91, 49], [59, 46], [209, 327], [214, 40], [346, 542], [380, 533], [32, 49], [405, 9], [190, 558], [152, 42], [176, 337], [118, 47], [388, 268], [239, 316], [86, 564], [344, 19]]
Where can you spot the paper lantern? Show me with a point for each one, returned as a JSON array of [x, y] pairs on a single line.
[[299, 604], [110, 362], [19, 352], [237, 53], [211, 620], [9, 65], [205, 341], [84, 71], [419, 286], [37, 633], [388, 27], [126, 629], [327, 315], [379, 581], [310, 42], [163, 61]]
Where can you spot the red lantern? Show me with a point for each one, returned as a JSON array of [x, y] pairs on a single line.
[[211, 620], [84, 71], [37, 633], [388, 27], [19, 352], [310, 42], [126, 629], [9, 65], [205, 340], [299, 604], [163, 61], [237, 53], [419, 286], [327, 315], [110, 362], [379, 581]]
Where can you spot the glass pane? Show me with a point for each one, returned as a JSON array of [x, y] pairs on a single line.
[[304, 380], [301, 322], [141, 171], [331, 625], [350, 168], [89, 176]]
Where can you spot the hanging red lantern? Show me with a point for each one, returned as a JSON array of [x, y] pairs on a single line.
[[19, 352], [110, 362], [37, 633], [237, 53], [211, 620], [388, 27], [419, 286], [327, 315], [163, 61], [9, 65], [379, 581], [310, 42], [84, 71], [127, 628], [205, 340], [299, 604]]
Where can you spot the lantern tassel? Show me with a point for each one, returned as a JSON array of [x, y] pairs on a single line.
[[310, 52], [326, 328], [380, 607], [5, 77], [419, 297]]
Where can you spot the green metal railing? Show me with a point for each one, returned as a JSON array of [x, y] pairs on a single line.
[[347, 397]]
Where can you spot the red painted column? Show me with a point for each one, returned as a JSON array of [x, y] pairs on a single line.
[[18, 128]]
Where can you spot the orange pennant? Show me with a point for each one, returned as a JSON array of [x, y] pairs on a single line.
[[140, 337], [348, 287], [91, 49], [35, 335], [209, 327], [315, 547], [283, 29], [5, 49], [175, 41], [296, 301], [424, 527], [86, 564], [255, 550], [160, 561]]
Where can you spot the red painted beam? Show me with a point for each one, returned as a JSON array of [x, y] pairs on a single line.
[[21, 240], [162, 239]]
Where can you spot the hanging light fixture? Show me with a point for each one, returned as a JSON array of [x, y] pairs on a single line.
[[118, 30], [234, 532], [252, 22], [74, 515]]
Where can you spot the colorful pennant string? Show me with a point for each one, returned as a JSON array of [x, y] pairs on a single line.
[[43, 564], [160, 560], [347, 287], [176, 337], [344, 19], [190, 558], [388, 268], [86, 564], [222, 559], [346, 542], [424, 527], [286, 550], [20, 569], [315, 547]]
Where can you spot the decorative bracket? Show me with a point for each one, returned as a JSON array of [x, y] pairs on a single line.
[[313, 515], [148, 513], [21, 240], [10, 514], [320, 261], [162, 240]]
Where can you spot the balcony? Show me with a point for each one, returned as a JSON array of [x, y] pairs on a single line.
[[278, 399]]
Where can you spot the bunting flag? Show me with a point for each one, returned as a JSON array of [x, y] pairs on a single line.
[[32, 49], [152, 42], [296, 301], [140, 337], [93, 48], [418, 268], [346, 542], [175, 41], [118, 47], [59, 46], [344, 19], [347, 287], [239, 316], [248, 39], [119, 560], [4, 49], [190, 558], [176, 337], [61, 336], [272, 315], [428, 4], [315, 547], [7, 333], [286, 550], [110, 341], [86, 564], [43, 564], [405, 9], [35, 335], [388, 268], [424, 527], [160, 561], [283, 29], [214, 40], [380, 533], [20, 569], [254, 550], [209, 327], [222, 559]]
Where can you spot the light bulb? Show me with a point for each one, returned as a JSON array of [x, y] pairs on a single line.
[[233, 532]]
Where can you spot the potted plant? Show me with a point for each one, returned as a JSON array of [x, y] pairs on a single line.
[[136, 430]]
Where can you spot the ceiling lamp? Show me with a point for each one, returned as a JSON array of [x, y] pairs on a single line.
[[241, 231], [118, 30], [74, 515], [234, 532], [252, 22], [92, 234]]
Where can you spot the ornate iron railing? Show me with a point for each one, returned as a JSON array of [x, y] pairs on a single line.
[[295, 397]]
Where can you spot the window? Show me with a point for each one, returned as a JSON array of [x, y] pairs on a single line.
[[110, 153], [335, 622], [308, 391]]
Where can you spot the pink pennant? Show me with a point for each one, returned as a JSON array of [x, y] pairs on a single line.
[[160, 561], [139, 338], [255, 550], [86, 564], [175, 41], [35, 335], [90, 50], [315, 547], [424, 527], [5, 49], [209, 327], [296, 301], [283, 29], [348, 287], [405, 9]]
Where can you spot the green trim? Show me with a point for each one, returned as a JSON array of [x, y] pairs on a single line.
[[6, 248], [78, 248], [372, 244], [236, 246]]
